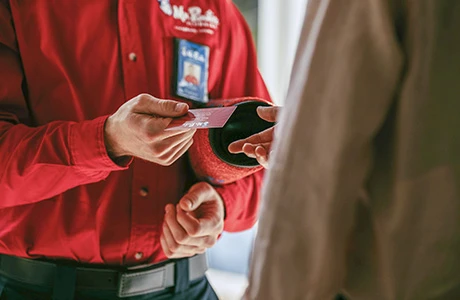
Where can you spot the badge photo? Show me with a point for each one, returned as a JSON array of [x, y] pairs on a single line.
[[191, 71]]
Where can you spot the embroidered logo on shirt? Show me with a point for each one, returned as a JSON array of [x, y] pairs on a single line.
[[165, 6], [194, 18]]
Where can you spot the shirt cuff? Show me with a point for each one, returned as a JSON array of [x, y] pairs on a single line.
[[234, 210], [87, 147]]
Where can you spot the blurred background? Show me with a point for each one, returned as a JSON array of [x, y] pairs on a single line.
[[276, 26]]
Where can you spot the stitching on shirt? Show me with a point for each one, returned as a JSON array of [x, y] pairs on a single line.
[[83, 170], [73, 153]]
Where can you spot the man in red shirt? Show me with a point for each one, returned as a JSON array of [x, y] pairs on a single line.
[[97, 201]]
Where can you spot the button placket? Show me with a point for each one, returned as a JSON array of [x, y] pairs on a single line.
[[135, 83]]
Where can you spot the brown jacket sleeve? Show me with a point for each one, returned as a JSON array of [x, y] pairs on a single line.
[[344, 79]]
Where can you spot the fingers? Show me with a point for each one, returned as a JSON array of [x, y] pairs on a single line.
[[169, 150], [147, 104], [250, 149], [237, 147], [173, 133], [197, 194], [168, 145], [178, 233], [182, 135], [172, 249], [150, 128], [206, 228], [192, 226], [268, 113], [259, 152], [258, 138], [178, 153], [137, 128], [262, 156], [157, 145], [176, 241]]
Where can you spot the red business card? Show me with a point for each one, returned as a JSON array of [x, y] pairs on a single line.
[[202, 118]]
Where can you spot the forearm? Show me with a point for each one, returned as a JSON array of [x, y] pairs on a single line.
[[42, 162]]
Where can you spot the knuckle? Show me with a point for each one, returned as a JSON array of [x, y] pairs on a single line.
[[167, 105], [174, 247], [144, 95], [182, 238], [158, 150], [218, 228], [203, 185], [209, 241], [143, 99], [216, 222], [167, 252], [194, 230]]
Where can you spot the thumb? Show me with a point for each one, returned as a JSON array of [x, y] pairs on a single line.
[[191, 201], [161, 107], [199, 193], [268, 113]]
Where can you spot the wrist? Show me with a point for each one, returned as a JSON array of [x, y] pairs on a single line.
[[114, 150], [221, 199]]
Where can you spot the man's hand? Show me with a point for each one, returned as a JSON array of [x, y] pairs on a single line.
[[194, 224], [138, 129], [258, 145]]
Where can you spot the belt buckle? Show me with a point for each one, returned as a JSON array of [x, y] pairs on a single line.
[[140, 282]]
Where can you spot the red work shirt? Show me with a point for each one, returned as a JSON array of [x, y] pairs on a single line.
[[64, 67]]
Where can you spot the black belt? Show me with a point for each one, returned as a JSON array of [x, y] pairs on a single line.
[[130, 282]]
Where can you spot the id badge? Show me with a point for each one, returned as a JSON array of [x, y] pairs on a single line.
[[192, 63]]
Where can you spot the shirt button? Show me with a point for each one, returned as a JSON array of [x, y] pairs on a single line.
[[132, 56], [138, 255], [144, 192]]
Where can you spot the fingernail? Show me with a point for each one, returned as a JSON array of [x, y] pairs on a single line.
[[188, 203], [181, 106]]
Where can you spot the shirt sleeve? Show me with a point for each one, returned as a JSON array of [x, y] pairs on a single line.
[[345, 79], [38, 163], [240, 77]]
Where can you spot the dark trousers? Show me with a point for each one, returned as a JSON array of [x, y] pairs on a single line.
[[183, 290]]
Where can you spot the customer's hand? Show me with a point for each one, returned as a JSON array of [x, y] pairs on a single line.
[[194, 224], [258, 145], [138, 129]]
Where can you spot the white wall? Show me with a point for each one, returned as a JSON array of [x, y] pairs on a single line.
[[280, 22]]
